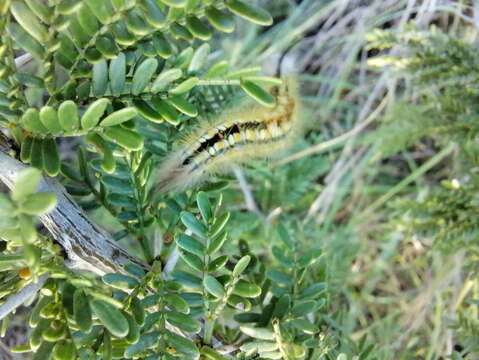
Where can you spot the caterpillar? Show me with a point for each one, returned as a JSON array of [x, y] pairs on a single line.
[[250, 131]]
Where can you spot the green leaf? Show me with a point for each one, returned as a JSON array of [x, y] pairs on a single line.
[[218, 263], [35, 338], [199, 58], [278, 277], [192, 5], [32, 255], [162, 46], [191, 245], [154, 15], [25, 41], [174, 3], [183, 345], [241, 265], [49, 119], [119, 116], [137, 311], [82, 311], [193, 261], [134, 331], [204, 206], [27, 19], [179, 32], [146, 111], [117, 74], [213, 286], [248, 317], [195, 226], [184, 322], [273, 355], [6, 206], [145, 342], [120, 281], [198, 28], [220, 20], [55, 332], [313, 291], [143, 75], [304, 325], [111, 318], [35, 313], [218, 70], [166, 111], [95, 111], [304, 307], [178, 303], [100, 78], [285, 237], [39, 203], [31, 122], [51, 157], [245, 72], [136, 23], [250, 12], [44, 351], [26, 183], [68, 116], [282, 306], [268, 80], [128, 139], [219, 224], [211, 354], [107, 46], [36, 157], [103, 10], [22, 348], [183, 105], [259, 346], [258, 333], [94, 56], [185, 86], [217, 243], [41, 10], [186, 279], [246, 289], [87, 20], [258, 93], [106, 348], [26, 149], [165, 78]]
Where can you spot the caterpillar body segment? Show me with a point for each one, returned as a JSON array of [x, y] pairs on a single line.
[[249, 132]]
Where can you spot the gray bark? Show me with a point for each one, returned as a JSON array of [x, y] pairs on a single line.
[[87, 247]]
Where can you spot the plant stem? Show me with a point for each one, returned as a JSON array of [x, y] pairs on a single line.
[[209, 326]]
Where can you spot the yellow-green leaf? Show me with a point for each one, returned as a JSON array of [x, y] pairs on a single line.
[[27, 19], [185, 86], [143, 75], [49, 119], [258, 93], [250, 12], [51, 157], [26, 183], [119, 116], [68, 116], [220, 20], [128, 139], [95, 111], [111, 318]]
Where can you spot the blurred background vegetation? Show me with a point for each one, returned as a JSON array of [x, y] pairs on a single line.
[[384, 182]]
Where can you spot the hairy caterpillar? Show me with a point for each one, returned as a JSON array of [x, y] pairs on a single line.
[[250, 131]]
